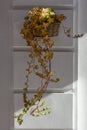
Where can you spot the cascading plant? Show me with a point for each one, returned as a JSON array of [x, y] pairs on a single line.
[[38, 29]]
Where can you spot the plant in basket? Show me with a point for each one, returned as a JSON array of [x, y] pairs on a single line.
[[39, 26]]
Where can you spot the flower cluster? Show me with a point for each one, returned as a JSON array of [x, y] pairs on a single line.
[[46, 15]]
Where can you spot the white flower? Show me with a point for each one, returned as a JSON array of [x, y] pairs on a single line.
[[47, 13]]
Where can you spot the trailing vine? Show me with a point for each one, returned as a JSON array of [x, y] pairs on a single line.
[[35, 31]]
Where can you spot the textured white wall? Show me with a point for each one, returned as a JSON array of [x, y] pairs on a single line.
[[82, 16], [82, 66], [4, 65], [82, 83]]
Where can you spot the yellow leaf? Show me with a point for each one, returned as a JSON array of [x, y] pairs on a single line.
[[51, 73]]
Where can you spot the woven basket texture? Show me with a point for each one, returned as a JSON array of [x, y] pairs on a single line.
[[53, 30]]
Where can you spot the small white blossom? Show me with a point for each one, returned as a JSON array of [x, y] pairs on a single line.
[[46, 13]]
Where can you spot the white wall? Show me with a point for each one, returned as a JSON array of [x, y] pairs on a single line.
[[4, 65], [82, 66], [82, 16]]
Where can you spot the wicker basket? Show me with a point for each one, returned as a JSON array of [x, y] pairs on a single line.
[[53, 29]]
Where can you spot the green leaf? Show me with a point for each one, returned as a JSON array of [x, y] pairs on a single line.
[[15, 116], [55, 80], [43, 103]]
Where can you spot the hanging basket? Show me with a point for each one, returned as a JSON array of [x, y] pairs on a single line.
[[53, 29]]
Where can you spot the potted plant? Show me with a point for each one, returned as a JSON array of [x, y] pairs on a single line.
[[39, 26]]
